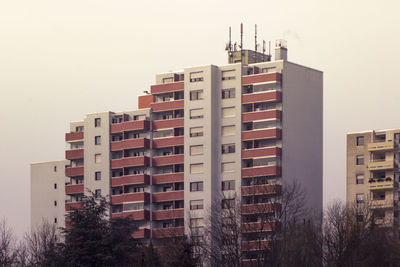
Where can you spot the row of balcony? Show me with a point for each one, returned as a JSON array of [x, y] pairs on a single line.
[[145, 161], [159, 232], [145, 197], [156, 215]]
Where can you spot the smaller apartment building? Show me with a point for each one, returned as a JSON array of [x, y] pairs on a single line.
[[373, 173]]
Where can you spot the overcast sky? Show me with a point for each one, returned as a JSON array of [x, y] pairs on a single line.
[[62, 59]]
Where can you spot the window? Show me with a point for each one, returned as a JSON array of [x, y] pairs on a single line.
[[196, 222], [97, 176], [97, 122], [196, 186], [55, 186], [196, 131], [196, 95], [168, 80], [97, 192], [360, 179], [196, 150], [97, 140], [97, 158], [228, 93], [196, 204], [196, 168], [228, 112], [228, 203], [228, 166], [55, 220], [55, 168], [196, 76], [228, 130], [228, 185], [360, 160], [360, 198], [360, 140], [228, 75], [196, 113], [228, 148], [55, 203]]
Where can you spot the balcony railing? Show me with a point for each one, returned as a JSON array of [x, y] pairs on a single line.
[[74, 189], [168, 141], [168, 196], [168, 160], [262, 134], [254, 245], [167, 87], [261, 152], [130, 143], [73, 136], [169, 105], [130, 126], [381, 184], [261, 208], [168, 214], [264, 189], [137, 215], [74, 171], [261, 115], [168, 232], [130, 162], [262, 97], [380, 165], [141, 233], [171, 123], [74, 154], [381, 146], [73, 205], [382, 203], [267, 225], [131, 197], [165, 178], [130, 179], [261, 171]]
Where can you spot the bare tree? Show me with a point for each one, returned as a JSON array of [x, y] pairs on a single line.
[[7, 244]]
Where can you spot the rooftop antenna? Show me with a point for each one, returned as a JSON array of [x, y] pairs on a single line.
[[263, 49], [255, 37], [269, 50], [241, 43]]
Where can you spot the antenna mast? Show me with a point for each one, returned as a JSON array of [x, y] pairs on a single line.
[[255, 37], [241, 43], [263, 50]]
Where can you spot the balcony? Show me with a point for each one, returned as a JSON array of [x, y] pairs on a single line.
[[138, 215], [72, 205], [74, 136], [168, 160], [72, 189], [130, 179], [254, 245], [74, 171], [261, 171], [165, 106], [264, 189], [260, 226], [261, 115], [261, 152], [168, 214], [167, 87], [382, 204], [166, 178], [168, 141], [381, 146], [74, 154], [164, 124], [381, 184], [261, 134], [130, 143], [168, 232], [130, 126], [141, 233], [378, 165], [130, 162], [261, 97], [130, 197], [261, 208], [168, 196], [262, 78]]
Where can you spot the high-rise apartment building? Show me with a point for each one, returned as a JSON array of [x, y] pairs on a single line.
[[237, 131], [373, 172]]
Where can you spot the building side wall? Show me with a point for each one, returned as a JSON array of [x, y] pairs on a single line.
[[47, 202], [302, 139]]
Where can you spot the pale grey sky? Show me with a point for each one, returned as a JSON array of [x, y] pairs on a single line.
[[62, 59]]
